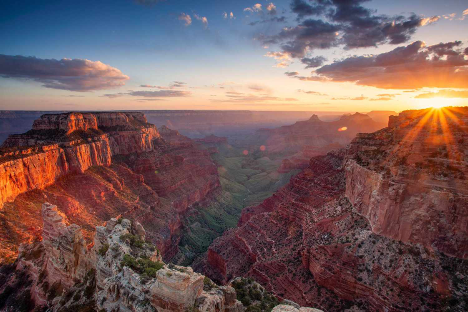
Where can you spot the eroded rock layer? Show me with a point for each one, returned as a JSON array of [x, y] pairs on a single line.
[[380, 226], [100, 165]]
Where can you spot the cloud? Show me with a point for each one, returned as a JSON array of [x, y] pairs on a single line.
[[174, 84], [443, 93], [64, 74], [358, 98], [291, 74], [381, 99], [282, 58], [314, 61], [347, 23], [203, 19], [256, 8], [302, 8], [309, 35], [230, 15], [151, 94], [274, 19], [409, 67], [312, 92], [185, 18], [271, 9], [387, 95], [259, 88]]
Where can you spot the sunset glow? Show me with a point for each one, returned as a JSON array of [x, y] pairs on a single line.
[[242, 55]]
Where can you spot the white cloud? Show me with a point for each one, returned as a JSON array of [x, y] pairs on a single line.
[[185, 18]]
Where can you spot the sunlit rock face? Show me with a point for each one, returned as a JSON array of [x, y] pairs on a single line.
[[378, 226], [120, 272], [96, 166]]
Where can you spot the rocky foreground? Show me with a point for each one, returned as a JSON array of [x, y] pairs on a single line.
[[95, 166], [120, 271], [378, 226]]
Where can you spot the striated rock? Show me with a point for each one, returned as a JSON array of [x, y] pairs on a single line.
[[379, 226], [127, 167], [119, 273]]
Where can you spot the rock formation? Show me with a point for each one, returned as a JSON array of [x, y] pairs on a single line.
[[100, 165], [379, 226], [121, 272], [298, 142]]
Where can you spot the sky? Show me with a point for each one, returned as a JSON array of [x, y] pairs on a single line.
[[289, 55]]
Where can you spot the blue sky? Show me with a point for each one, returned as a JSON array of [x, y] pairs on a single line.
[[152, 46]]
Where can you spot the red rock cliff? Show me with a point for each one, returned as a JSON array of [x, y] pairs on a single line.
[[125, 166], [376, 227]]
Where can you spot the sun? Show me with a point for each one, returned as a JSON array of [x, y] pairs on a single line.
[[436, 102]]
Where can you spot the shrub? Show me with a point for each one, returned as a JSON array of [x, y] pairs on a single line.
[[103, 250], [142, 266], [133, 240]]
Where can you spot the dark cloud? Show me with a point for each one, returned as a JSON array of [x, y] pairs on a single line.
[[344, 23], [466, 51], [291, 74], [309, 35], [313, 61], [444, 93], [274, 19], [64, 74], [302, 8], [410, 67]]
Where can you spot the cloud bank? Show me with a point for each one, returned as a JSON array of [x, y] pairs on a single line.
[[65, 74], [413, 66]]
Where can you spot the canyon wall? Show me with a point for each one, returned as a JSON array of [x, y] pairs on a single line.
[[99, 165], [378, 226]]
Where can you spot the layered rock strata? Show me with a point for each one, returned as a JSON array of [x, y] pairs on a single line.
[[110, 164], [380, 226], [61, 274]]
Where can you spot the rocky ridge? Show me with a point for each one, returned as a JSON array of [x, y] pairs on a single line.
[[379, 226], [120, 271], [95, 166]]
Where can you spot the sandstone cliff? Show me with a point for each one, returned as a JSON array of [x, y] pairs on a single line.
[[379, 226], [100, 165]]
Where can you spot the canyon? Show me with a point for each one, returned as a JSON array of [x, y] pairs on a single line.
[[119, 271], [377, 226], [95, 166]]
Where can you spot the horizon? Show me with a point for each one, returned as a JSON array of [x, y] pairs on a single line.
[[331, 57]]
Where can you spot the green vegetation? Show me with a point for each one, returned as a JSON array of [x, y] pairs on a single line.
[[245, 181], [133, 240], [103, 250], [142, 266], [253, 296]]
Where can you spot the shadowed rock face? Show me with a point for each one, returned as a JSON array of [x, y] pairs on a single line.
[[124, 166], [380, 226]]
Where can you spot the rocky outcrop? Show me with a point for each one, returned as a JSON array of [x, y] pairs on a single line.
[[379, 226], [410, 181], [27, 164], [125, 167], [121, 272]]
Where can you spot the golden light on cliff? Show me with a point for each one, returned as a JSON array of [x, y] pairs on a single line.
[[437, 122]]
